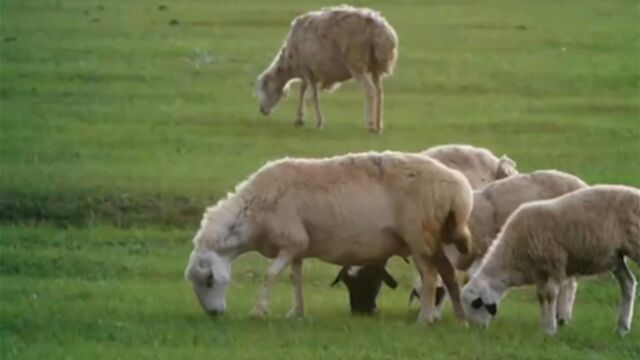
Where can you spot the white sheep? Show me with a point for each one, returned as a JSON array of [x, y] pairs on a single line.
[[586, 232], [355, 209], [479, 165], [492, 206], [327, 47]]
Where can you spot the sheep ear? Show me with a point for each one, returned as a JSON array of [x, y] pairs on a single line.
[[338, 277], [492, 309], [506, 167], [477, 303], [388, 279], [414, 295]]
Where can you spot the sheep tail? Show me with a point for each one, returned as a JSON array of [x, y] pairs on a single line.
[[384, 49], [455, 230]]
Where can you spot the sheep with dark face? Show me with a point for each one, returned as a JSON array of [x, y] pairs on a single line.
[[548, 242], [492, 206], [364, 283]]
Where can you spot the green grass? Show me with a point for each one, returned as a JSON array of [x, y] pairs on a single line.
[[117, 129], [110, 293]]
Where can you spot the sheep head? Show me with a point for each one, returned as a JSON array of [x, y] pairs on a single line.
[[480, 301], [209, 274], [363, 284], [272, 84]]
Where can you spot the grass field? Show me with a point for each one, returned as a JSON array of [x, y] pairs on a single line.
[[120, 121]]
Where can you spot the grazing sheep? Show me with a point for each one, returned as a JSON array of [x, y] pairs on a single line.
[[586, 232], [481, 167], [355, 209], [364, 284], [492, 206], [327, 47]]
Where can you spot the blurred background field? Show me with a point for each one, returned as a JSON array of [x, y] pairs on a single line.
[[121, 120]]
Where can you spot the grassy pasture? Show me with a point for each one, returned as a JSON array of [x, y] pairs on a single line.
[[121, 120]]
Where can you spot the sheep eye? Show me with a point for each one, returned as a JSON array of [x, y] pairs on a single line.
[[209, 281]]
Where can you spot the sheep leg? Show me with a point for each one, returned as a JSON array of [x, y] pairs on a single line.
[[628, 289], [548, 298], [378, 101], [296, 279], [316, 104], [448, 274], [369, 89], [441, 301], [277, 266], [300, 113], [566, 298], [429, 277]]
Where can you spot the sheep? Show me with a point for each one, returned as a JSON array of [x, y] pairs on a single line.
[[354, 209], [547, 242], [364, 283], [480, 166], [492, 206], [327, 47]]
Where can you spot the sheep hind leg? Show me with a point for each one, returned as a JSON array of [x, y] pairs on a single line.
[[628, 289], [448, 274], [369, 89], [296, 279], [548, 298], [429, 278], [566, 298], [378, 103], [300, 112], [277, 266], [441, 299], [316, 104]]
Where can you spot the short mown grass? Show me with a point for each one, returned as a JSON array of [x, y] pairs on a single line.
[[121, 120]]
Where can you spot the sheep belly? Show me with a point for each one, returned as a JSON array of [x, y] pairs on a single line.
[[355, 228]]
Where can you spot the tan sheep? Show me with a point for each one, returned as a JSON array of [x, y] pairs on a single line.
[[479, 165], [327, 47], [586, 232], [355, 209]]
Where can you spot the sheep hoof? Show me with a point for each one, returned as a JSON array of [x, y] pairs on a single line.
[[375, 131], [426, 319], [551, 331], [259, 313], [319, 125], [298, 123], [623, 330], [295, 313]]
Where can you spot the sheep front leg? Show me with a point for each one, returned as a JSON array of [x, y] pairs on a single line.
[[548, 298], [300, 113], [369, 89], [628, 289], [277, 266], [566, 298], [448, 274], [316, 104], [296, 279]]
